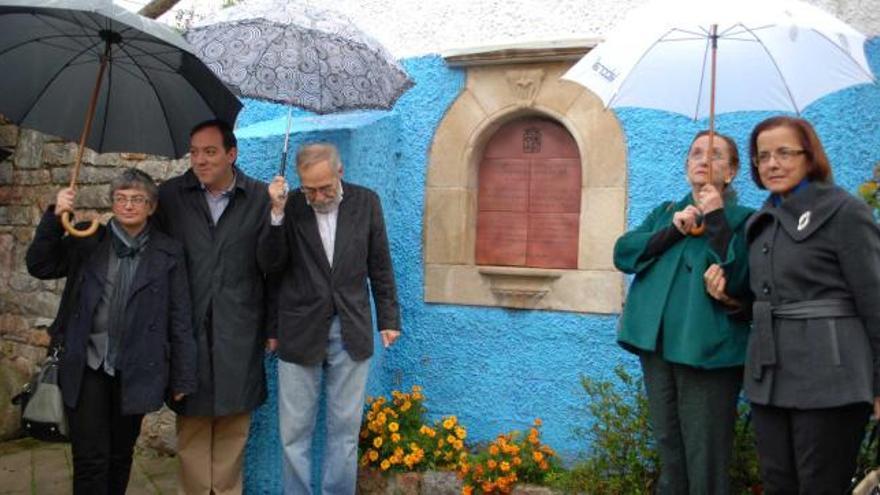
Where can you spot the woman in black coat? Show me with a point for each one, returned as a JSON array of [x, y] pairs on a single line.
[[124, 326], [813, 359]]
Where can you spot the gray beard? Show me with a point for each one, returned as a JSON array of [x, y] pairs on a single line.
[[330, 206]]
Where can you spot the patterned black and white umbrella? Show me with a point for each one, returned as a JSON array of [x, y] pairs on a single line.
[[298, 54]]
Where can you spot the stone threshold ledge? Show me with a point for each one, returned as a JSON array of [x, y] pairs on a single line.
[[519, 286]]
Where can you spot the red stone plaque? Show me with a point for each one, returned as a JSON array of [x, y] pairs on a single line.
[[529, 197], [501, 238], [553, 240], [555, 186]]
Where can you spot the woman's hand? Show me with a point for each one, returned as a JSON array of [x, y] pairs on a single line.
[[716, 283], [686, 219], [64, 201], [709, 198]]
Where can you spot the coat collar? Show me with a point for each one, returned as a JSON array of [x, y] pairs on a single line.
[[800, 214], [733, 212], [190, 181]]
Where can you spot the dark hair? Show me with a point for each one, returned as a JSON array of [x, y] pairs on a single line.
[[818, 166], [132, 178], [229, 140]]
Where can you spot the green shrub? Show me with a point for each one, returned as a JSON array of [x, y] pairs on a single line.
[[622, 459]]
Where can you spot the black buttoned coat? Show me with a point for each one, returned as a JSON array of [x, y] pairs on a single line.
[[157, 352], [820, 243], [311, 292], [227, 287]]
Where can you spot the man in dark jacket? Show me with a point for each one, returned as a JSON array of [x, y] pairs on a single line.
[[332, 243], [124, 323], [221, 216]]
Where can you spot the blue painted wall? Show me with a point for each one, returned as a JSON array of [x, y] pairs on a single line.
[[498, 369]]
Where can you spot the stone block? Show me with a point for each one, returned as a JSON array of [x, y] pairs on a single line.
[[55, 154], [87, 175], [14, 328], [13, 376], [159, 432], [31, 177], [21, 281], [7, 244], [603, 141], [40, 304], [93, 196], [440, 483], [6, 175], [15, 471], [18, 215], [110, 160], [456, 130], [448, 235], [602, 221], [29, 151], [8, 136], [556, 94], [175, 168]]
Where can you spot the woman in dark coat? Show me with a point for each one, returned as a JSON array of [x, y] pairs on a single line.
[[124, 326], [690, 350], [812, 361]]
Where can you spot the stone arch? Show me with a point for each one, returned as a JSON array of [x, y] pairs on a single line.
[[493, 96]]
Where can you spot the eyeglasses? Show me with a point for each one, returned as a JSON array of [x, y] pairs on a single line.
[[782, 155], [312, 191], [122, 200], [699, 155]]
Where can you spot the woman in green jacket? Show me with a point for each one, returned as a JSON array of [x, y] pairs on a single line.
[[690, 347]]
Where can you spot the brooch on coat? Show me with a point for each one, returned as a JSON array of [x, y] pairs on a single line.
[[803, 221]]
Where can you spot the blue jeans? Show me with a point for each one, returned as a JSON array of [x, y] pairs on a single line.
[[299, 387]]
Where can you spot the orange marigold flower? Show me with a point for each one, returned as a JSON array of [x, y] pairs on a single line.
[[385, 465], [395, 437], [537, 456], [491, 464], [373, 455], [493, 449], [377, 442], [461, 432], [544, 465], [392, 426], [505, 466], [516, 461], [449, 422], [405, 406], [538, 422], [467, 490]]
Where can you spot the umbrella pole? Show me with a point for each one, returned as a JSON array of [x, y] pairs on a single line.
[[74, 174], [698, 230], [283, 168]]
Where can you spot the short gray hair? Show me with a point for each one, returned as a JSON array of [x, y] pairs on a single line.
[[132, 178], [311, 154]]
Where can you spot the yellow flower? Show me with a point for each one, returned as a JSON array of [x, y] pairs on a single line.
[[440, 443], [406, 406], [373, 455], [417, 396], [450, 439], [505, 466], [377, 442], [381, 418], [449, 422], [385, 465], [395, 437], [392, 427], [416, 388], [460, 432]]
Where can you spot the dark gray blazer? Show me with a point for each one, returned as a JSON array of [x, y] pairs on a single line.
[[227, 284], [819, 244], [310, 292]]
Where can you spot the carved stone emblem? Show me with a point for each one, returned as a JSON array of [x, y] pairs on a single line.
[[524, 84]]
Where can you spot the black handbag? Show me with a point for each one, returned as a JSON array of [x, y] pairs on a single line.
[[42, 406]]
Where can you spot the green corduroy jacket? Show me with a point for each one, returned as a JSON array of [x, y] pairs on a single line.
[[668, 293]]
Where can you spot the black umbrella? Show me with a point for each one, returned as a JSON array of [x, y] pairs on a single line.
[[147, 87]]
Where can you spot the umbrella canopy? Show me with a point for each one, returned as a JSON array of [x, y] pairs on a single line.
[[771, 55], [154, 88], [297, 54]]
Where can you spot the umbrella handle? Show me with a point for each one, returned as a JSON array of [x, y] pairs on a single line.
[[72, 230], [697, 230]]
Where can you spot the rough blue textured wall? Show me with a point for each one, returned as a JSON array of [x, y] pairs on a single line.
[[498, 369]]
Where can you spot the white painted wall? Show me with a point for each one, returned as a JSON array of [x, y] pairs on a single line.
[[416, 27]]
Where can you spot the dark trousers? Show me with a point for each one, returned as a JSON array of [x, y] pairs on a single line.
[[692, 412], [102, 439], [808, 451]]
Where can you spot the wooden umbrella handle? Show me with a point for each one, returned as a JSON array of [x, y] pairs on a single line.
[[66, 216], [71, 228]]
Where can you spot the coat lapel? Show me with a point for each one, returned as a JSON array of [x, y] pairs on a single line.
[[147, 269], [344, 226]]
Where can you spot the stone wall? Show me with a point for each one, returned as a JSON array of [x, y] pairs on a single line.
[[39, 165]]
